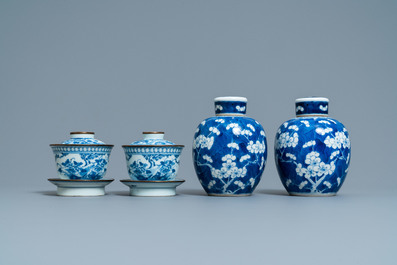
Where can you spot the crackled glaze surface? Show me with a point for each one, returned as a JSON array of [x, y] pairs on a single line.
[[229, 154], [152, 158], [312, 155], [81, 157]]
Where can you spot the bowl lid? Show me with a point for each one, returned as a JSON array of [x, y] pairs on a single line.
[[82, 138], [153, 139]]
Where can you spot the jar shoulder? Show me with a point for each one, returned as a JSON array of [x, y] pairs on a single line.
[[311, 123], [227, 120]]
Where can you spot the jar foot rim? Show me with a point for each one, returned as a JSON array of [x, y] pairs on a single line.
[[229, 195], [307, 194]]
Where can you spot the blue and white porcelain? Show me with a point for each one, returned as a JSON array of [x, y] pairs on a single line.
[[158, 188], [82, 157], [152, 158], [80, 188], [312, 151], [229, 150]]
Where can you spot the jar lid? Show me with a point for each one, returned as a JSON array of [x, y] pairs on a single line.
[[311, 106], [242, 99], [230, 106]]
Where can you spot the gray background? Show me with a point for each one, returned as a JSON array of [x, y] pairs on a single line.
[[122, 67]]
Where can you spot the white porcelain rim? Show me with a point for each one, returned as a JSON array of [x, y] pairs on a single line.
[[240, 99], [311, 99]]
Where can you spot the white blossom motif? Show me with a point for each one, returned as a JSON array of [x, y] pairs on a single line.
[[309, 143], [240, 184], [202, 123], [263, 162], [218, 107], [325, 122], [288, 182], [252, 182], [293, 157], [323, 131], [256, 148], [208, 158], [285, 124], [229, 169], [323, 108], [239, 159], [245, 157], [300, 170], [338, 141], [246, 132], [293, 127], [233, 145], [236, 129], [326, 169], [303, 184], [251, 127], [299, 108], [320, 148], [229, 158], [211, 183], [332, 121], [214, 130], [306, 123], [326, 183], [286, 140], [313, 159], [334, 154], [315, 168], [239, 108], [203, 142]]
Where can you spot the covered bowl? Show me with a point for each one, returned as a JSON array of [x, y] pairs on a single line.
[[81, 157], [153, 158]]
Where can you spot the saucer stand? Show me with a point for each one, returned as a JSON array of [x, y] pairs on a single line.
[[152, 188], [80, 188]]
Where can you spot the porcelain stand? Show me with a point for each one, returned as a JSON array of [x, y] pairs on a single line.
[[80, 188], [152, 188]]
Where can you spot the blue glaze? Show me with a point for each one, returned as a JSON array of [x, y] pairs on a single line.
[[229, 154], [153, 158], [230, 107], [83, 141], [81, 163], [152, 163], [81, 157], [317, 106], [312, 155], [152, 142]]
